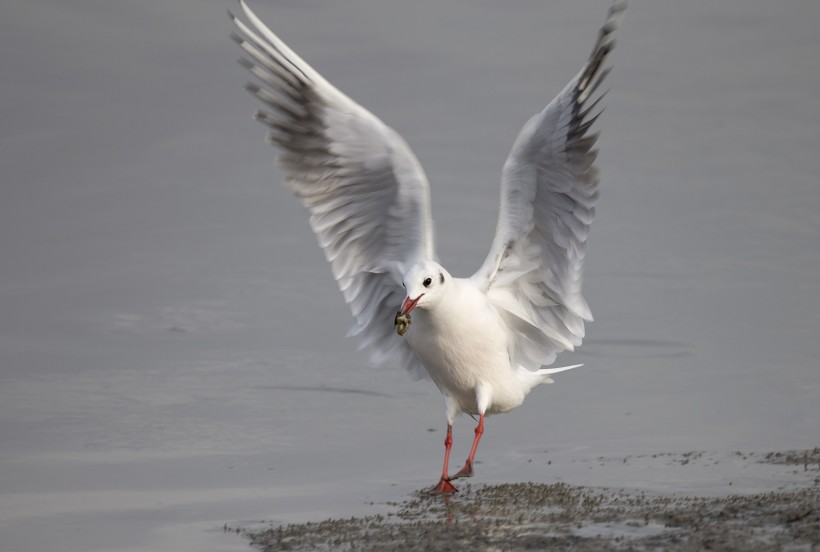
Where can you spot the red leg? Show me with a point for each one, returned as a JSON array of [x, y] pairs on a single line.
[[444, 486], [467, 470]]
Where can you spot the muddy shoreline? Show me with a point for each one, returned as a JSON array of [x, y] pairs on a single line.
[[561, 516]]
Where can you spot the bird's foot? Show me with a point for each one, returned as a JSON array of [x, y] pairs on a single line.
[[466, 471], [444, 487]]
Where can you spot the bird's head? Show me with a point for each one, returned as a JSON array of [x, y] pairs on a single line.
[[425, 284]]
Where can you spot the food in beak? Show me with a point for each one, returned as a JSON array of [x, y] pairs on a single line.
[[402, 320]]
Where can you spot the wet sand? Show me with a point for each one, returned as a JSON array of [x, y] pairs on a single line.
[[561, 516]]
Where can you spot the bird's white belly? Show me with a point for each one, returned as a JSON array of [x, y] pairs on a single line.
[[463, 351]]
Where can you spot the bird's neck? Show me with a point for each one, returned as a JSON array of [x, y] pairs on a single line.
[[455, 311]]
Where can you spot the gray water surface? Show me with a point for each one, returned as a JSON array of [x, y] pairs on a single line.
[[172, 351]]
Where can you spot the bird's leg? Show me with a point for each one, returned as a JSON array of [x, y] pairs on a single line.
[[444, 486], [467, 470]]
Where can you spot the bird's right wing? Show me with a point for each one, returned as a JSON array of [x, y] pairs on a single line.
[[367, 194], [548, 191]]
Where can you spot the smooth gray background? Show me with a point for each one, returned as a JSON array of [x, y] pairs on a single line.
[[172, 351]]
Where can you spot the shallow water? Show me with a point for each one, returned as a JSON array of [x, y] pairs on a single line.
[[172, 352]]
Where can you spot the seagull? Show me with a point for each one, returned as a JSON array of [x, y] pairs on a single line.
[[483, 340]]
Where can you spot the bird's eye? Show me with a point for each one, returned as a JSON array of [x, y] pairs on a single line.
[[427, 282]]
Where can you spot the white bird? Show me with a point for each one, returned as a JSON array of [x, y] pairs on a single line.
[[482, 339]]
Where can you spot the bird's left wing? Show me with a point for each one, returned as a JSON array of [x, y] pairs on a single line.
[[548, 191], [367, 194]]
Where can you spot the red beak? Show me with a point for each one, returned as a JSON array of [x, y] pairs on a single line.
[[410, 304]]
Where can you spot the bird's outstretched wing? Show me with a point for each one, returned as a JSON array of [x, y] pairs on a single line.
[[548, 190], [367, 194]]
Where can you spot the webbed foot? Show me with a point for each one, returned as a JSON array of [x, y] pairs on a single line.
[[444, 487], [466, 471]]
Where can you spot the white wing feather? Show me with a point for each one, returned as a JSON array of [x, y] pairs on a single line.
[[548, 191], [368, 196]]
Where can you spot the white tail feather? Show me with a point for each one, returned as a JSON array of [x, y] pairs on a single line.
[[547, 371], [530, 379]]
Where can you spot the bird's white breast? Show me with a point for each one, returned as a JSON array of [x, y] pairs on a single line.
[[462, 343]]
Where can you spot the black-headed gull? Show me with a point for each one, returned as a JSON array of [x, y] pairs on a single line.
[[481, 339]]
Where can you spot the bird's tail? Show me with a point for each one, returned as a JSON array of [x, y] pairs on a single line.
[[530, 379]]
